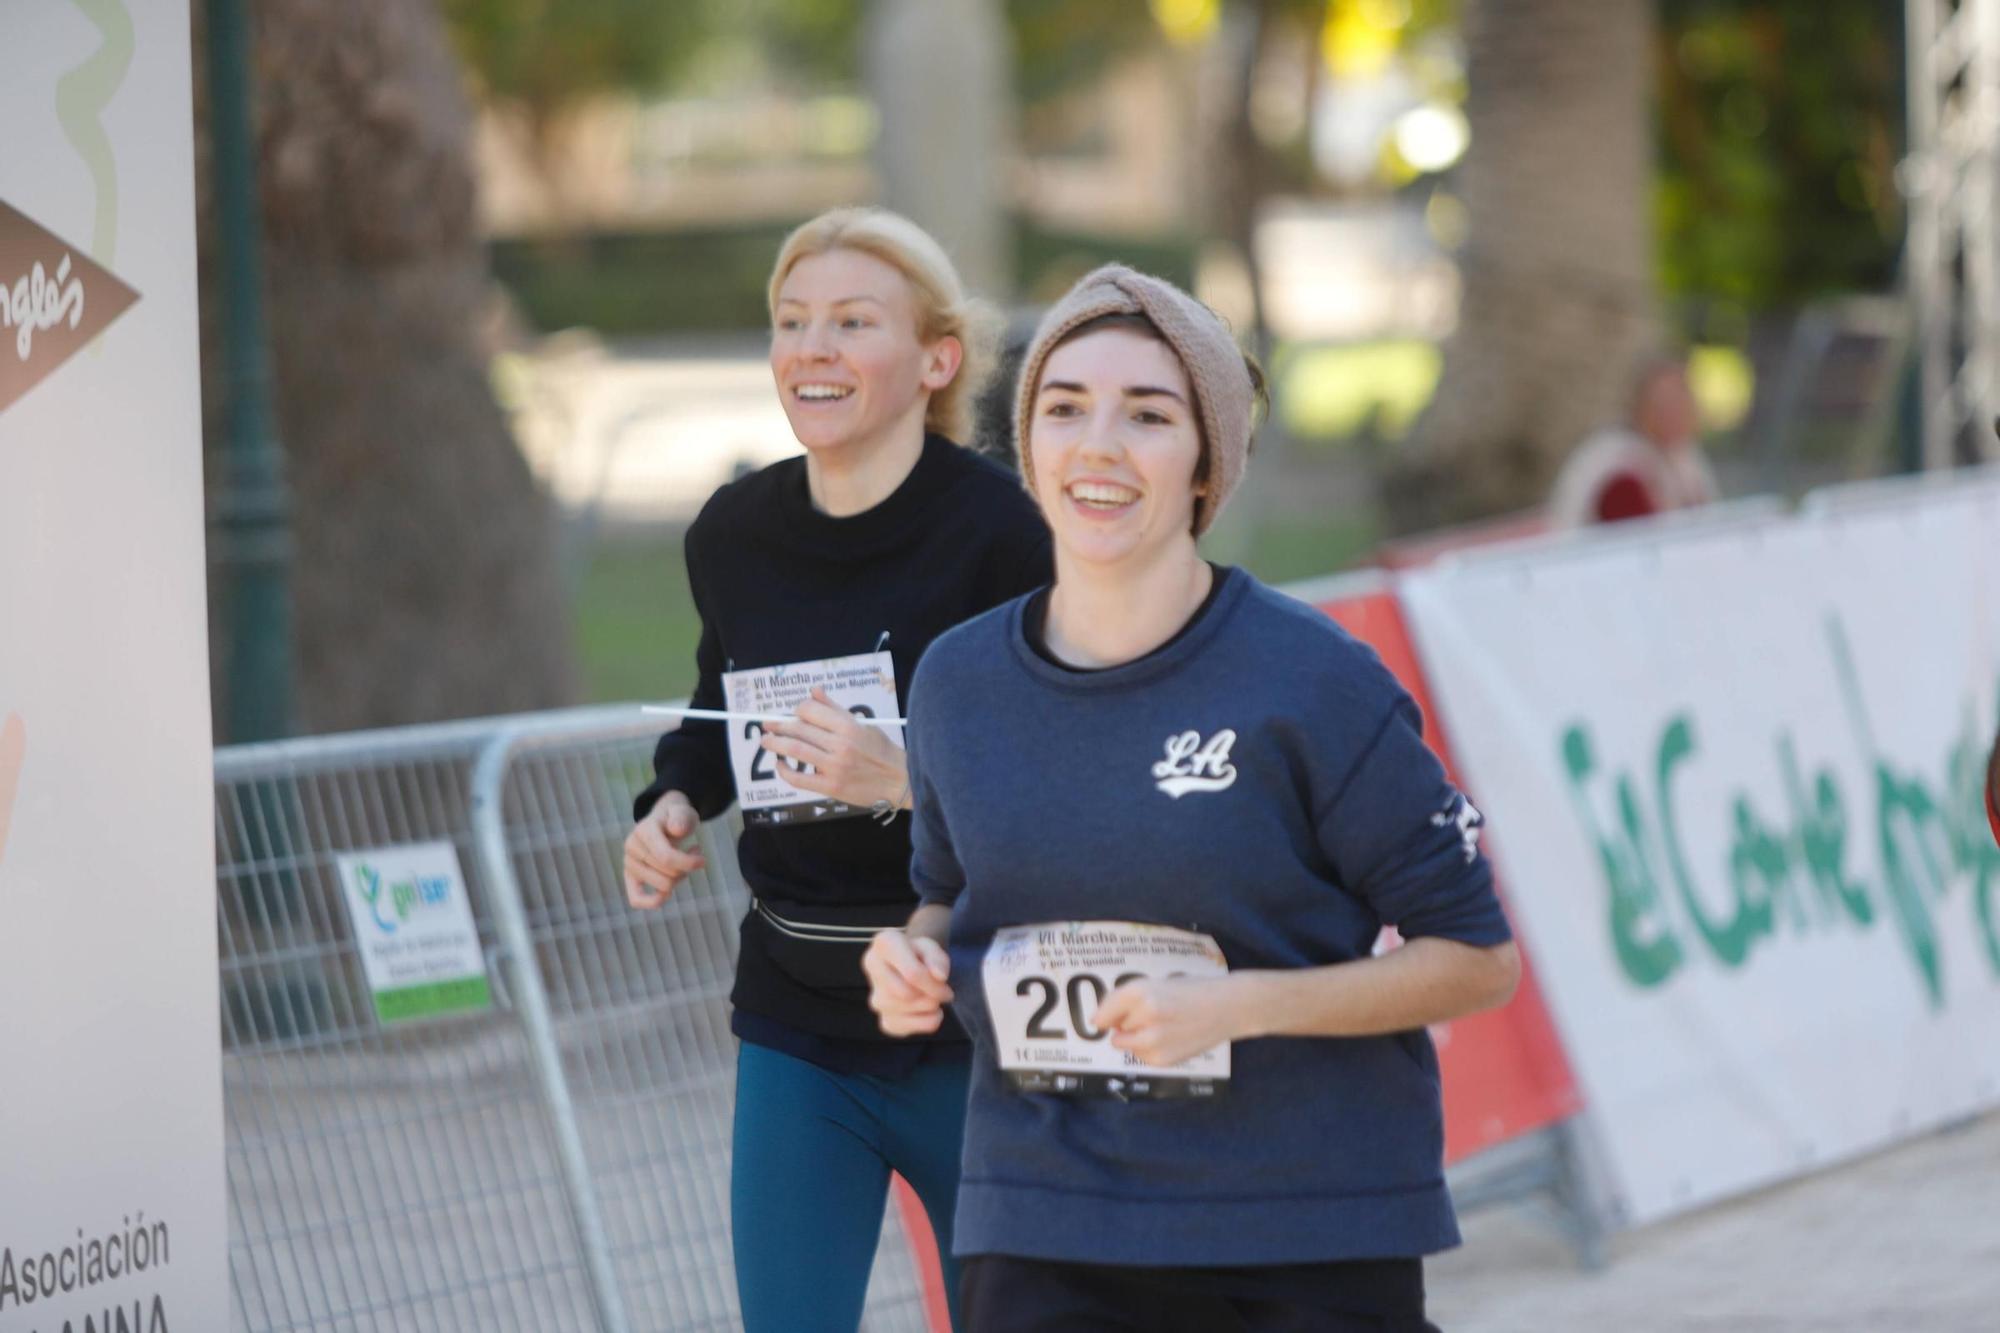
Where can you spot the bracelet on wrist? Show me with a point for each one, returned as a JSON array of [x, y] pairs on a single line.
[[885, 811]]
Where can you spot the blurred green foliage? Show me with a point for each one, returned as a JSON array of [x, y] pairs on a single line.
[[1779, 127], [1369, 391], [1059, 45], [546, 52], [542, 55], [1779, 131], [624, 283]]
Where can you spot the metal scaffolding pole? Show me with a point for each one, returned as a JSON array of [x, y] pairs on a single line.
[[250, 519], [1953, 267]]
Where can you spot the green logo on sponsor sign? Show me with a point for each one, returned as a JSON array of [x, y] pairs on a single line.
[[413, 925], [403, 896], [1789, 873]]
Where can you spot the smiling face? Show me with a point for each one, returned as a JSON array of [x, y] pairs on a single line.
[[850, 366], [1114, 444]]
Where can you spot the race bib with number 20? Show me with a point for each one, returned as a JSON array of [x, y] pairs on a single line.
[[864, 684], [1043, 984]]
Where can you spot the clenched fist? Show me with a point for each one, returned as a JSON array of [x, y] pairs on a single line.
[[907, 982], [655, 862]]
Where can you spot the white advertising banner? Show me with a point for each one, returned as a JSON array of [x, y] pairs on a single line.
[[1733, 779], [111, 1166]]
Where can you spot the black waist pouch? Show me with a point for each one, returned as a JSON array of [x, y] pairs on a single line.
[[820, 944]]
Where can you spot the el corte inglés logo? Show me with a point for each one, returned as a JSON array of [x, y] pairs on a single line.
[[53, 300]]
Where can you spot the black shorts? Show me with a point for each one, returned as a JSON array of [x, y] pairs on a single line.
[[1003, 1294]]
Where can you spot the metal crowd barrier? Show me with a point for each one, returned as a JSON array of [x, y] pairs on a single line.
[[559, 1161]]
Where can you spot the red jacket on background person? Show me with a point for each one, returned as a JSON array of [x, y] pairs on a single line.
[[1651, 465]]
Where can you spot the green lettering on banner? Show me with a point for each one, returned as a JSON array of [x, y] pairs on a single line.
[[1905, 814], [433, 999], [1640, 935], [1822, 834], [1792, 879], [1729, 942]]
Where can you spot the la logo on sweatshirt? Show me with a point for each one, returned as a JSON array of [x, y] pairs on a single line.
[[1192, 766]]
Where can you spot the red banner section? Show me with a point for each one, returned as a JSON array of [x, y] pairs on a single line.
[[1421, 549], [1504, 1070], [917, 1234]]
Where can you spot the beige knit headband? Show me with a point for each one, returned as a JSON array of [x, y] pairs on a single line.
[[1224, 396]]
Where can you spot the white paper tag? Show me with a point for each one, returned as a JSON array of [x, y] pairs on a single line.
[[1044, 983], [864, 684]]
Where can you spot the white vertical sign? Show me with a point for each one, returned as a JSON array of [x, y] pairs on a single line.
[[111, 1148]]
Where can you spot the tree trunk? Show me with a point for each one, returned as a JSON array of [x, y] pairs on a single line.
[[939, 73], [1558, 299], [1234, 180], [424, 567]]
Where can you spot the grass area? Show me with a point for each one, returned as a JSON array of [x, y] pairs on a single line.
[[1342, 390], [1286, 550], [635, 625]]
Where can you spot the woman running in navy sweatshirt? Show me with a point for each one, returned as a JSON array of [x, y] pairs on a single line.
[[1162, 814]]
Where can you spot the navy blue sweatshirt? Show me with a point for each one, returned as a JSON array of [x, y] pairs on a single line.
[[1038, 801], [777, 581]]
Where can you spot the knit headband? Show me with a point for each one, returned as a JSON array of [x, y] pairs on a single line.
[[1224, 396]]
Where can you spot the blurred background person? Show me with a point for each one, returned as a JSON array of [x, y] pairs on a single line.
[[1647, 464]]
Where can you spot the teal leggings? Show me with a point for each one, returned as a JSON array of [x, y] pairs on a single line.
[[813, 1153]]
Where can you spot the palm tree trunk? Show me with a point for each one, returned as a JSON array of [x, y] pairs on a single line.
[[1234, 182], [1558, 298], [940, 76], [425, 578]]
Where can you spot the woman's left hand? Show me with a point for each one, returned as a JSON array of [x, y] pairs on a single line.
[[1165, 1020], [852, 762]]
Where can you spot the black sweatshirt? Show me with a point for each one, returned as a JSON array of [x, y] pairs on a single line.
[[777, 581]]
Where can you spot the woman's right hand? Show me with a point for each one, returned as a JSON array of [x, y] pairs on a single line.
[[906, 982], [654, 862]]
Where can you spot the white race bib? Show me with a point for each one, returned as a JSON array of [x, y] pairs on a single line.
[[1044, 983], [864, 684]]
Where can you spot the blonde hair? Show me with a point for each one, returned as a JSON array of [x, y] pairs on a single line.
[[944, 310]]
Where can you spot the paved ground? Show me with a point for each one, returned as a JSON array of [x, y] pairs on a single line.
[[1907, 1241]]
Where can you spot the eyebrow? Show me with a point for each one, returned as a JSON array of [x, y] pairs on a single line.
[[844, 300], [1131, 391]]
